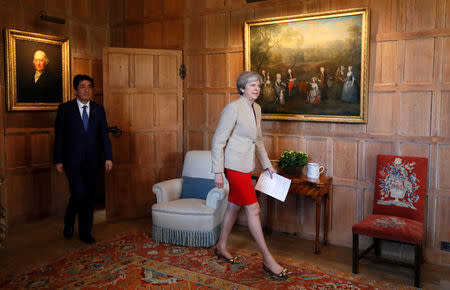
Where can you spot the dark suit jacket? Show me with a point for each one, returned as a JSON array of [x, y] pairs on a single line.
[[73, 145], [48, 89]]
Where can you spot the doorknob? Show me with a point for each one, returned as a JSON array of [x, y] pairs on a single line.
[[115, 131]]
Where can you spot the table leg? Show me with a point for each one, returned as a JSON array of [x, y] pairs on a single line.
[[327, 219], [318, 209]]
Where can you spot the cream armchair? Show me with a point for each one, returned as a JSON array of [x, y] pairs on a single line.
[[189, 221]]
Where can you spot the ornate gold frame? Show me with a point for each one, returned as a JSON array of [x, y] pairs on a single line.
[[364, 78], [11, 71]]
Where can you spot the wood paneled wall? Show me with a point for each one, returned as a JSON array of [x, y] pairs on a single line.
[[409, 98], [32, 188]]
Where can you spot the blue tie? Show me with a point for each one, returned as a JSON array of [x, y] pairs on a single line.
[[85, 118]]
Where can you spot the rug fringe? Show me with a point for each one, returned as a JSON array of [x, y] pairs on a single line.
[[186, 238]]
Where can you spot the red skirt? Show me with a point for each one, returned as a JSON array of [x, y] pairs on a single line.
[[241, 187]]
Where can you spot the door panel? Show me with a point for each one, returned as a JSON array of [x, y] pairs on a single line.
[[143, 97]]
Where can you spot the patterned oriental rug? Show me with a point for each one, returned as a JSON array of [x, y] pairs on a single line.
[[134, 261]]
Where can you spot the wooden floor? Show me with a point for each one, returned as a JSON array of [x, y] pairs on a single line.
[[33, 244]]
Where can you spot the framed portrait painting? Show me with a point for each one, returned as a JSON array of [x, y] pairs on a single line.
[[38, 71], [314, 67]]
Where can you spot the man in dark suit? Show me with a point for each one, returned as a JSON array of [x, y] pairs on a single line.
[[80, 138]]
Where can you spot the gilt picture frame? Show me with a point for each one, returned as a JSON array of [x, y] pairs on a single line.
[[314, 67], [37, 71]]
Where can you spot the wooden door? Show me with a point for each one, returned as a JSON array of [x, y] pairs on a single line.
[[143, 98]]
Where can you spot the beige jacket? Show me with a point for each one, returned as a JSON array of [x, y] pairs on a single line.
[[238, 139]]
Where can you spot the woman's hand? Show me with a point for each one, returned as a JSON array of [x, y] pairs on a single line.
[[218, 180], [271, 171]]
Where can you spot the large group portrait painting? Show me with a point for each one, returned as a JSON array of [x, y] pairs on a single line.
[[312, 68]]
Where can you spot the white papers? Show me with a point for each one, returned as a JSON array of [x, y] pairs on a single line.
[[277, 187]]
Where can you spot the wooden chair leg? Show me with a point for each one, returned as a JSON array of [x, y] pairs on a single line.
[[417, 264], [377, 245], [355, 253]]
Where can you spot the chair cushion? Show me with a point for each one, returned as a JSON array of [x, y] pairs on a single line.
[[189, 214], [196, 187], [400, 186], [390, 228]]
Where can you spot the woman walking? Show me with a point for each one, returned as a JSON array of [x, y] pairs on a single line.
[[236, 143]]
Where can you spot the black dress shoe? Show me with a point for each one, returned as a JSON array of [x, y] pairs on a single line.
[[68, 231], [88, 239]]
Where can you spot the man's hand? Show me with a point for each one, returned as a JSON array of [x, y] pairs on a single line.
[[271, 171], [59, 167], [218, 180], [108, 165]]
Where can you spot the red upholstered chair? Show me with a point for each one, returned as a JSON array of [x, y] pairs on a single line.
[[398, 208]]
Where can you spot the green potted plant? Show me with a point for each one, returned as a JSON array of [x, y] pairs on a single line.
[[292, 162]]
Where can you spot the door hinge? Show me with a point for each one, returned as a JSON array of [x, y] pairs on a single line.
[[182, 71]]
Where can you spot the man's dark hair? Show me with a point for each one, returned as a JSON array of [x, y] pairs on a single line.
[[79, 78]]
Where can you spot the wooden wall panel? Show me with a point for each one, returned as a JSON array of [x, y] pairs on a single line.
[[415, 113], [315, 129], [443, 222], [16, 148], [317, 150], [372, 149], [237, 20], [235, 67], [419, 54], [153, 35], [445, 114], [416, 149], [168, 73], [194, 67], [166, 113], [173, 33], [80, 66], [216, 31], [21, 199], [269, 144], [194, 141], [381, 106], [41, 144], [143, 181], [215, 74], [174, 8], [446, 60], [144, 140], [288, 143], [142, 111], [343, 214], [195, 107], [121, 116], [386, 62], [134, 35], [194, 29], [166, 144], [153, 8], [117, 68], [345, 161], [420, 15], [216, 103], [143, 76], [134, 10], [443, 166]]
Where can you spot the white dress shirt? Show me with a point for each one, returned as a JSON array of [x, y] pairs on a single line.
[[80, 107]]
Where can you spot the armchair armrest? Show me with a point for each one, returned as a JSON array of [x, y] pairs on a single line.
[[168, 190], [215, 195]]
